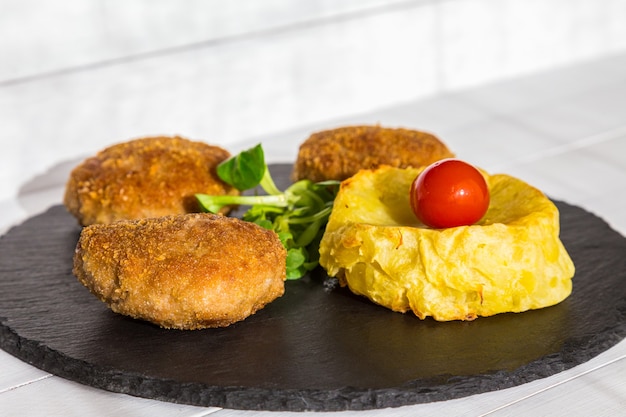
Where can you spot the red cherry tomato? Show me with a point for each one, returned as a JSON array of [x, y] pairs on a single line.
[[449, 193]]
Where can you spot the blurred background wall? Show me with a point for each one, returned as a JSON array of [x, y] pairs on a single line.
[[77, 75]]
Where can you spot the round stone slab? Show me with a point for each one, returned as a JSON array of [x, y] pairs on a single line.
[[318, 347]]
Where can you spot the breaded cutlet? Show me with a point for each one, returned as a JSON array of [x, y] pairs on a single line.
[[339, 153], [146, 177], [188, 271]]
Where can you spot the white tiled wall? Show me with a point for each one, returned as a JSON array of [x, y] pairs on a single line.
[[42, 36], [77, 75], [485, 40], [464, 41]]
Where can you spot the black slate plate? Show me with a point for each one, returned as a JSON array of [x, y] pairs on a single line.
[[316, 348]]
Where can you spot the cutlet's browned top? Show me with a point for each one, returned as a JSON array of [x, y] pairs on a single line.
[[339, 153], [147, 177]]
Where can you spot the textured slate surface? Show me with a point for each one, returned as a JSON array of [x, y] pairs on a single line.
[[317, 348]]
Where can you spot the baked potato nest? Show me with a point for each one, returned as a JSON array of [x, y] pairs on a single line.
[[512, 260]]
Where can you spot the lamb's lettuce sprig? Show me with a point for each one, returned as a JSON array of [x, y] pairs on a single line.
[[298, 215]]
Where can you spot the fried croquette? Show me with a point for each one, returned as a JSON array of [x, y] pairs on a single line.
[[337, 154], [188, 271], [147, 177]]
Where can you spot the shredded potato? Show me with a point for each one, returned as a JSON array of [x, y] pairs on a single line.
[[512, 260]]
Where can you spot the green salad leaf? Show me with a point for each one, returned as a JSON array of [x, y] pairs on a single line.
[[298, 215], [246, 170]]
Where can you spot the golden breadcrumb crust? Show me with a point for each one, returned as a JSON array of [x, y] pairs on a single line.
[[147, 177], [189, 271], [338, 154]]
